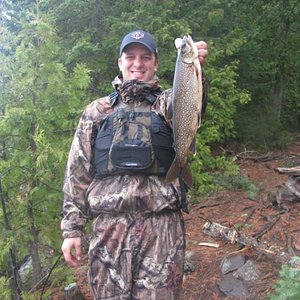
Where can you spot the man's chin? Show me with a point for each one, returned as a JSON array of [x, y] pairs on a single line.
[[140, 78]]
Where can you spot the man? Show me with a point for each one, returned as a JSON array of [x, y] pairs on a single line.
[[115, 173]]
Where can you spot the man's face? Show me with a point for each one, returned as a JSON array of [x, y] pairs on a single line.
[[137, 62]]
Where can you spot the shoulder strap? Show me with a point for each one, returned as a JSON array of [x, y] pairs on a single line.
[[114, 98], [152, 97]]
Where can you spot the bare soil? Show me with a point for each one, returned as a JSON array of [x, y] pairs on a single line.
[[236, 210]]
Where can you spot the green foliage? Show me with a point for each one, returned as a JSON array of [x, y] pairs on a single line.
[[5, 291], [288, 287], [56, 56], [40, 109], [5, 246], [218, 123], [263, 132], [28, 296], [62, 276], [237, 182], [269, 69]]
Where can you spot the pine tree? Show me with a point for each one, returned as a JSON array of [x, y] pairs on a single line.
[[40, 110]]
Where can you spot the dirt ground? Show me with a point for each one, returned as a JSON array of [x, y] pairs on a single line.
[[236, 210]]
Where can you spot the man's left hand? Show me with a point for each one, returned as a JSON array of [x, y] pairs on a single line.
[[202, 52]]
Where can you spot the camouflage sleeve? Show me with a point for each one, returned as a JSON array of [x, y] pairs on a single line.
[[79, 174], [163, 106]]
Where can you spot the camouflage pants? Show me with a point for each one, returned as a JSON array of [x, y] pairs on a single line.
[[137, 257]]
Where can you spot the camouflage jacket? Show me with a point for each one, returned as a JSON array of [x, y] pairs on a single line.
[[85, 196]]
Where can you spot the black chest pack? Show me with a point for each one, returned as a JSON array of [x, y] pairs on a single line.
[[133, 140]]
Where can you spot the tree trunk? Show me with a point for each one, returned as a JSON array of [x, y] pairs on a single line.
[[33, 245], [279, 75], [34, 242], [15, 281], [278, 93]]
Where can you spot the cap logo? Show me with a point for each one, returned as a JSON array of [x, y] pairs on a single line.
[[137, 35]]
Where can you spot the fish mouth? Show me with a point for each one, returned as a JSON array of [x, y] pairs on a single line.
[[187, 41], [188, 50]]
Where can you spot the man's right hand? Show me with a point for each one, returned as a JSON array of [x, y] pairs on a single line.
[[71, 249]]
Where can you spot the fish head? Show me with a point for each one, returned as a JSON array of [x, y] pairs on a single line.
[[187, 49]]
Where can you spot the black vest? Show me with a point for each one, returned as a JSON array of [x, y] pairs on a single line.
[[133, 140]]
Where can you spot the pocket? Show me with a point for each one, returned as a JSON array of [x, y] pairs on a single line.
[[132, 147], [131, 156]]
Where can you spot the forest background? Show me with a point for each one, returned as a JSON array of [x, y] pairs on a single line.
[[59, 55]]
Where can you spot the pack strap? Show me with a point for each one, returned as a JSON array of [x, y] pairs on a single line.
[[184, 201], [114, 97]]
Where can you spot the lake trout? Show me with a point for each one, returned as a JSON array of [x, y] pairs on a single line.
[[186, 108]]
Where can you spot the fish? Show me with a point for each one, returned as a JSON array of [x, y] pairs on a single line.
[[186, 102]]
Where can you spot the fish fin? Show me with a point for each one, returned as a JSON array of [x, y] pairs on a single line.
[[199, 118], [186, 175], [173, 172], [193, 146]]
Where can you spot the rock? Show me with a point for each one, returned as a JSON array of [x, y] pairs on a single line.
[[232, 263], [192, 256], [248, 272], [72, 292], [191, 262], [295, 262], [289, 192], [296, 241], [26, 274], [232, 287], [189, 267], [26, 269]]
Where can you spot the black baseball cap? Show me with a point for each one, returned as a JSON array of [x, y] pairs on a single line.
[[141, 37]]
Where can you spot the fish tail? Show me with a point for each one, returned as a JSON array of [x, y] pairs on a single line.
[[175, 172], [186, 175]]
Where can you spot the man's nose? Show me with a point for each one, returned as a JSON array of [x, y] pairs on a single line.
[[138, 62]]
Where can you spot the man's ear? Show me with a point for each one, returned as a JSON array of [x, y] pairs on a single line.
[[120, 63], [156, 64]]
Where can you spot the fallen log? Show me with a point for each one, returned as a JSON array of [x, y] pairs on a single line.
[[290, 191], [295, 171], [230, 234], [266, 228], [255, 156]]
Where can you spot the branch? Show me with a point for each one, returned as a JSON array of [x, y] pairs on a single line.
[[295, 171], [266, 228], [219, 231]]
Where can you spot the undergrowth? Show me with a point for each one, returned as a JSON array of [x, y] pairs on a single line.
[[225, 181], [288, 286], [238, 182]]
